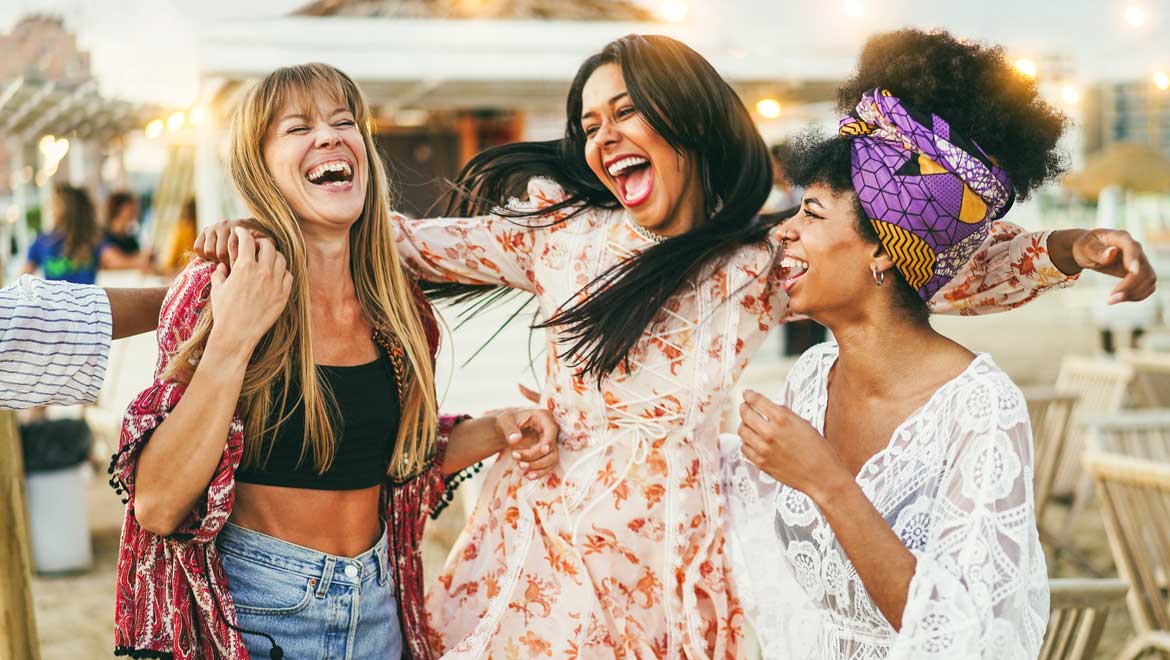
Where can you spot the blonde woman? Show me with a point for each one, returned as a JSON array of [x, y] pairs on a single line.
[[278, 470]]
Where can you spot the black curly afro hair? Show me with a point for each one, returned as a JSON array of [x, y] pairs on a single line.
[[975, 88]]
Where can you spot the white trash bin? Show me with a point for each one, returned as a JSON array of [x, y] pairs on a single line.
[[58, 519]]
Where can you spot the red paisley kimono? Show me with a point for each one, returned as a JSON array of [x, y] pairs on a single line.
[[172, 598]]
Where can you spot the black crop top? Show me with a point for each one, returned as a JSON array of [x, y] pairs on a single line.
[[367, 399]]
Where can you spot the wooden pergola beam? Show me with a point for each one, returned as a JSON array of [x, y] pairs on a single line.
[[18, 626]]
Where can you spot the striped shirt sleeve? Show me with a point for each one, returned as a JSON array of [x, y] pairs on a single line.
[[54, 342]]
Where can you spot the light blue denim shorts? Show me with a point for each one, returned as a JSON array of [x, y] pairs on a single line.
[[315, 606]]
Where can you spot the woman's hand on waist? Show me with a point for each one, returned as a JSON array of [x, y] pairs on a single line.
[[530, 434]]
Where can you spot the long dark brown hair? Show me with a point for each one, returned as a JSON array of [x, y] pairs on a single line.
[[681, 96], [75, 222]]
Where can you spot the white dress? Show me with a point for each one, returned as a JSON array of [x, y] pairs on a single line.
[[955, 485]]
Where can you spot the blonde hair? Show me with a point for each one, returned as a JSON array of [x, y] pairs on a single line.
[[384, 291]]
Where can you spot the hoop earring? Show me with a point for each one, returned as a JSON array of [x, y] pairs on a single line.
[[879, 277]]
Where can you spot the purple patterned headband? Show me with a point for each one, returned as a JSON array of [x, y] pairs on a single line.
[[930, 193]]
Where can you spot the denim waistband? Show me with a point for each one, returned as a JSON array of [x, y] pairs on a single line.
[[326, 568]]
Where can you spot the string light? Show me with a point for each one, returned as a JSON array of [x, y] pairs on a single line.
[[1135, 15], [1026, 67], [768, 108], [673, 12], [155, 128]]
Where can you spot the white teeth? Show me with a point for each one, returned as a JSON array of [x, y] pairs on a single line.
[[792, 263], [620, 166], [332, 166]]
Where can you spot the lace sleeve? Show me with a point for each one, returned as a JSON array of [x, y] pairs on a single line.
[[980, 588], [776, 605]]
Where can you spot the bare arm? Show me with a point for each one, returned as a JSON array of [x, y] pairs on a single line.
[[883, 563], [135, 311], [177, 464], [1110, 251], [530, 433], [114, 259], [790, 450]]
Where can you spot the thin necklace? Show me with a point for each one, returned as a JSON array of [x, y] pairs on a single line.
[[645, 233]]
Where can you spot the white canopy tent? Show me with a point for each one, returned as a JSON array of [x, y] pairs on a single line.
[[411, 67]]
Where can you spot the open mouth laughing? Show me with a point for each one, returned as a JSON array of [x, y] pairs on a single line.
[[794, 269], [634, 176], [336, 174]]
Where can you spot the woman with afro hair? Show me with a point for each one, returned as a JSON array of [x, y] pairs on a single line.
[[882, 506]]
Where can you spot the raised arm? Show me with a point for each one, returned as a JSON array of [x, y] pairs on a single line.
[[135, 311], [489, 249], [188, 424], [1012, 267]]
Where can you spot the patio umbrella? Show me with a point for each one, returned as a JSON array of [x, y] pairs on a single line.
[[1130, 166]]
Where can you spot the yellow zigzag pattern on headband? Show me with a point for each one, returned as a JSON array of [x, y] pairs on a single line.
[[910, 253]]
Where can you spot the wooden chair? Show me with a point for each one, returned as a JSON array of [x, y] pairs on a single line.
[[1151, 383], [1101, 387], [1080, 609], [1051, 413], [1134, 433], [1135, 503]]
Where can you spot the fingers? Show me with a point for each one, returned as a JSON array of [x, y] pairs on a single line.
[[223, 244], [242, 249], [531, 395], [509, 426], [754, 445], [540, 467], [265, 251], [546, 426], [750, 416], [200, 240], [763, 404], [286, 285], [1139, 280], [218, 277]]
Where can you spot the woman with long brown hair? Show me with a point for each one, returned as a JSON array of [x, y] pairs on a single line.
[[279, 469], [71, 251]]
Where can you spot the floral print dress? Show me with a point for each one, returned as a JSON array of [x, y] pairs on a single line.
[[620, 553]]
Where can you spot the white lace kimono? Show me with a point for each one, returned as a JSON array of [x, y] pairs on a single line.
[[954, 483]]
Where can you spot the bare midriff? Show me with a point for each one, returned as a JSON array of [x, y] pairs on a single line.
[[345, 523]]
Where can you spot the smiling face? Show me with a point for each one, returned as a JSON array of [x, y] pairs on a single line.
[[827, 260], [657, 185], [317, 157]]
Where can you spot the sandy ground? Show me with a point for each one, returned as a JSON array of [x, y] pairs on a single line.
[[74, 613]]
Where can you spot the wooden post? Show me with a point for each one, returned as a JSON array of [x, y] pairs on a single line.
[[18, 626]]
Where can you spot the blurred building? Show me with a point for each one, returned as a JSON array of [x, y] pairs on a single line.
[[40, 48], [449, 78], [54, 124], [1130, 111]]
